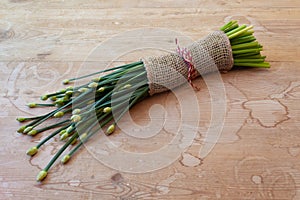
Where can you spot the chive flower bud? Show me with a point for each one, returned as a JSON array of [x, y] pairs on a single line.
[[59, 114], [65, 159], [44, 97], [90, 102], [62, 132], [64, 136], [83, 136], [53, 98], [93, 85], [66, 98], [59, 101], [27, 129], [21, 119], [62, 90], [69, 88], [32, 105], [110, 129], [107, 109], [69, 129], [101, 89], [32, 151], [74, 141], [42, 175], [82, 90], [32, 132], [76, 111], [76, 118], [21, 129], [96, 79], [59, 105], [66, 81], [69, 92], [126, 86]]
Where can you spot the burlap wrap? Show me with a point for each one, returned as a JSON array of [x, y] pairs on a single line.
[[209, 54]]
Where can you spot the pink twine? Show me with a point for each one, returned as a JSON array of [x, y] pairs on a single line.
[[187, 57]]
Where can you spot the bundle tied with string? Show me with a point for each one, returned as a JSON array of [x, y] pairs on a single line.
[[209, 54], [117, 89]]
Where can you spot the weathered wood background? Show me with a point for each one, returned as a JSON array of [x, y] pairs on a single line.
[[258, 153]]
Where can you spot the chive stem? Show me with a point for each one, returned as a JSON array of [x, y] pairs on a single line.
[[60, 151]]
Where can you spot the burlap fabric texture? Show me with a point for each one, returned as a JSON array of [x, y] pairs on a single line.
[[209, 54]]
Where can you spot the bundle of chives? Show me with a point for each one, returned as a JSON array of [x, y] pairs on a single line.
[[113, 94]]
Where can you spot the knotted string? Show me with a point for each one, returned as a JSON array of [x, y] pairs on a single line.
[[187, 57]]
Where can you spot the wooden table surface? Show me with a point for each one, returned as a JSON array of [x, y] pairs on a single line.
[[257, 153]]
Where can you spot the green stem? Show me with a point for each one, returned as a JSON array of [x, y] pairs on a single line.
[[245, 45], [229, 26], [142, 93], [89, 136], [106, 70], [247, 33], [59, 109], [247, 60], [259, 65], [236, 30], [60, 151], [246, 55], [257, 56], [135, 78], [244, 51], [138, 97], [240, 32], [51, 136], [45, 104], [53, 126], [241, 40]]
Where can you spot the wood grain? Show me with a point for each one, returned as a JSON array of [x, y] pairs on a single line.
[[257, 153]]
